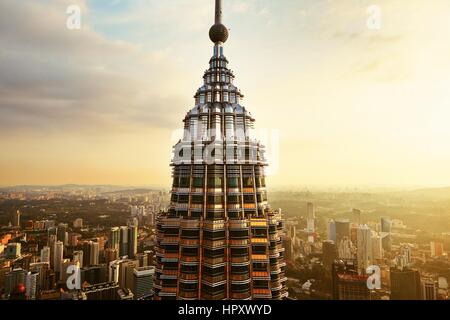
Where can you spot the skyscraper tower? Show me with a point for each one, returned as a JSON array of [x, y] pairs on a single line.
[[58, 256], [364, 245], [123, 241], [310, 221], [219, 238], [62, 234], [114, 239], [16, 219], [386, 233], [132, 240]]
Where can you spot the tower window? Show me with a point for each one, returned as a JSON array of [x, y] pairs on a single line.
[[249, 198], [248, 182], [184, 182], [197, 199], [215, 182], [233, 182], [215, 199], [233, 199], [197, 182]]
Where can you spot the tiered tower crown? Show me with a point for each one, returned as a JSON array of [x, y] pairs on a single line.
[[219, 130]]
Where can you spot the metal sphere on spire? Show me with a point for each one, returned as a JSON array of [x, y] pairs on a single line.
[[218, 32]]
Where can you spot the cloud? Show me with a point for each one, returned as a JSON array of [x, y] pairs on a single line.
[[54, 79]]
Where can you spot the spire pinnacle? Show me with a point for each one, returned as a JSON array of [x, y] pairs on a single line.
[[219, 12], [218, 32]]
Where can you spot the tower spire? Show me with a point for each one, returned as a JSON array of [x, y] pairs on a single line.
[[218, 32], [219, 12]]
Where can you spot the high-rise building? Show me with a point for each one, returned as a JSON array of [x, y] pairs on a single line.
[[43, 271], [45, 254], [78, 257], [403, 259], [58, 255], [357, 216], [90, 253], [386, 225], [16, 219], [288, 245], [52, 230], [364, 248], [143, 282], [101, 246], [113, 271], [94, 274], [13, 250], [331, 231], [132, 240], [114, 239], [377, 247], [78, 223], [345, 249], [436, 249], [121, 271], [123, 241], [14, 281], [111, 255], [329, 254], [62, 234], [386, 233], [103, 291], [51, 240], [354, 233], [126, 273], [443, 288], [74, 238], [150, 257], [143, 259], [429, 289], [347, 284], [310, 221], [292, 231], [405, 284], [219, 238], [342, 228], [134, 211]]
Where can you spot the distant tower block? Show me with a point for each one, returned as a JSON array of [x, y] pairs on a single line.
[[357, 216], [310, 221], [16, 219]]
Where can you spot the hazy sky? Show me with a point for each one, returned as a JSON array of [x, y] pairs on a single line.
[[353, 106]]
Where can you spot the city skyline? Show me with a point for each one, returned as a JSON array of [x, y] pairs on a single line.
[[339, 193], [92, 106]]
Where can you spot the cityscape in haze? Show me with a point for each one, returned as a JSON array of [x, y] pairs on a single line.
[[326, 180], [405, 233]]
